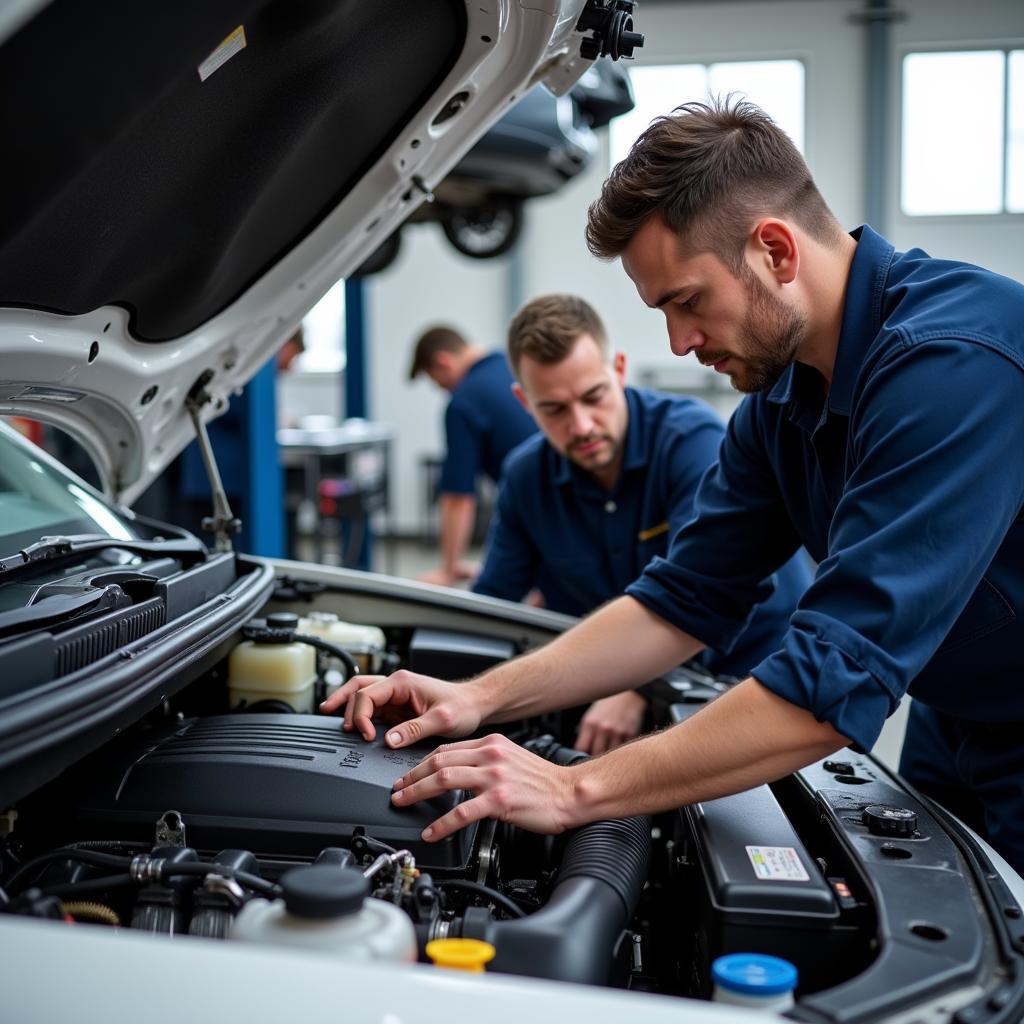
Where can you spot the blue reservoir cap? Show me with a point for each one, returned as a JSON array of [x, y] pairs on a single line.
[[754, 974]]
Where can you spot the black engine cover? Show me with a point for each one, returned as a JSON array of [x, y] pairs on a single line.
[[273, 784]]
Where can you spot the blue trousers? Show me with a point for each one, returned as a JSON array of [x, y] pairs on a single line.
[[975, 770]]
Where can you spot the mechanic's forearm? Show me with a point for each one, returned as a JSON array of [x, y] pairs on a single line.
[[456, 515], [619, 647], [746, 737]]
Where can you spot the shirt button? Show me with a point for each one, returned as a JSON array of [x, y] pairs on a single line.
[[610, 506]]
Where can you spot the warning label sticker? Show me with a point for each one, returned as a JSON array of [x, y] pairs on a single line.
[[227, 49], [777, 864]]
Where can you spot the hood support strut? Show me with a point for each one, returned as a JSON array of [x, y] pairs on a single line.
[[223, 523]]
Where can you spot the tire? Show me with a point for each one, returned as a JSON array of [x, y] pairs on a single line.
[[483, 232]]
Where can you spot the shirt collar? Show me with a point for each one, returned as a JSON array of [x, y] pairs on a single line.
[[862, 314], [635, 453], [862, 318]]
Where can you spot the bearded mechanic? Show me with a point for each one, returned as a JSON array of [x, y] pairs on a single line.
[[882, 429]]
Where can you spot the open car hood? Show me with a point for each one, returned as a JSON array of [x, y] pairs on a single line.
[[182, 184]]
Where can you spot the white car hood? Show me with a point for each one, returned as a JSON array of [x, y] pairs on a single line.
[[93, 373]]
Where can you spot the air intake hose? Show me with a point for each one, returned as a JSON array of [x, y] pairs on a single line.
[[575, 935]]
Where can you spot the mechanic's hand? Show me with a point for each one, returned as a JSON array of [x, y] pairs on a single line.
[[344, 692], [508, 783], [424, 706], [610, 722]]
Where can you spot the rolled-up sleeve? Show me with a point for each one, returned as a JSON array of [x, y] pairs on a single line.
[[936, 481]]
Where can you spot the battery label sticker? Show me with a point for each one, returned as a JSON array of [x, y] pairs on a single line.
[[777, 864], [234, 43]]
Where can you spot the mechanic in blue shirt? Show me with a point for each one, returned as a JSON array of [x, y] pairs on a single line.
[[585, 504], [883, 430], [483, 423]]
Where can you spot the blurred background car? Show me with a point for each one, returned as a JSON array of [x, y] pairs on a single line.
[[542, 143]]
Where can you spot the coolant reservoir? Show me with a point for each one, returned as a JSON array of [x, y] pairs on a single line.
[[285, 672], [326, 909], [365, 643]]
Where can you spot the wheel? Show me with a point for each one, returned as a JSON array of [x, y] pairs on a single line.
[[482, 232]]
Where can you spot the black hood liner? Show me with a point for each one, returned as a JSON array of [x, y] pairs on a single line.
[[128, 181]]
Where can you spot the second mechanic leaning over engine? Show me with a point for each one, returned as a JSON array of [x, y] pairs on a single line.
[[599, 493]]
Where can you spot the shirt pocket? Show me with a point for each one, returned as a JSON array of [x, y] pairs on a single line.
[[986, 611]]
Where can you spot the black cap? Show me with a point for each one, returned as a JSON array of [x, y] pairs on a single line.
[[321, 891], [890, 820], [283, 620]]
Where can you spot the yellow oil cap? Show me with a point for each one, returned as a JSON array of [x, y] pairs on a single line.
[[460, 954]]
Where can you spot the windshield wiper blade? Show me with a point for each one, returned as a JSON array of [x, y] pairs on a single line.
[[47, 549]]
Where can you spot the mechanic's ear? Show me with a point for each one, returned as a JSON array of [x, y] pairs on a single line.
[[521, 395], [775, 248], [619, 367]]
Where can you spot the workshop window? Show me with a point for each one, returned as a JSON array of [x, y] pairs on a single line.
[[963, 133], [777, 86], [323, 331]]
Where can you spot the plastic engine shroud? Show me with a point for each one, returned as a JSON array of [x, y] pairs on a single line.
[[269, 783]]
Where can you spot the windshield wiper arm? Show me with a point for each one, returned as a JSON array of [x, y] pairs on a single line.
[[47, 549], [60, 608]]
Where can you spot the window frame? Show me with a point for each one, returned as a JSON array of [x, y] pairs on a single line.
[[741, 57], [1004, 46]]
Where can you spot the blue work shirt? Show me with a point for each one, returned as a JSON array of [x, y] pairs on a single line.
[[905, 482], [558, 529], [483, 423]]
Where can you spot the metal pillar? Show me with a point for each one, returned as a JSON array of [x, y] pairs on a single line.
[[514, 288], [263, 512], [356, 401], [356, 398], [877, 16]]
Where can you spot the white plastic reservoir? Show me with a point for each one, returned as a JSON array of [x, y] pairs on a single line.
[[327, 909], [260, 671], [366, 644]]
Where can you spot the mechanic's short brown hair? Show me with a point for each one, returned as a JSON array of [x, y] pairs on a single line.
[[547, 328], [432, 341], [710, 171]]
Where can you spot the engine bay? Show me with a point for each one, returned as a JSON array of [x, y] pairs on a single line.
[[213, 803]]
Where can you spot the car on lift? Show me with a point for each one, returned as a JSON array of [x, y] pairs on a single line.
[[541, 144], [181, 837]]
